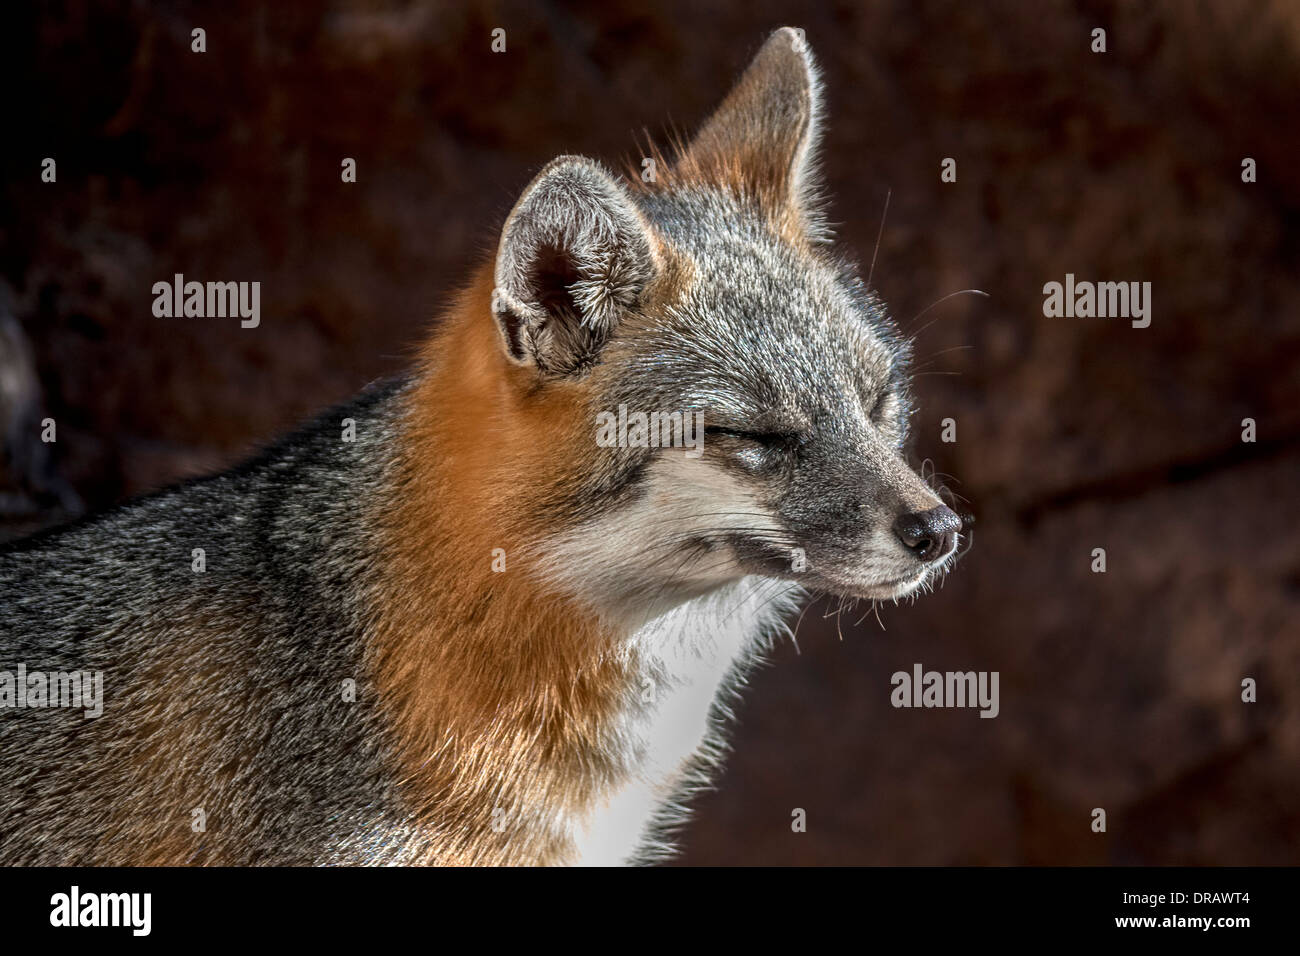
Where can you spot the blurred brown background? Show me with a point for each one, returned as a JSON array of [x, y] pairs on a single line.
[[1118, 690]]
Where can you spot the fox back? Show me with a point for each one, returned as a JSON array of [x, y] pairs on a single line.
[[464, 619]]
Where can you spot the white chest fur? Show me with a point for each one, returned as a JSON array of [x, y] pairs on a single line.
[[690, 658]]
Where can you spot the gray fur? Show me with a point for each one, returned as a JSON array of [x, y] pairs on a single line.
[[770, 340], [296, 773]]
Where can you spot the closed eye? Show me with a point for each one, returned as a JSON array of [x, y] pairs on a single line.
[[766, 439]]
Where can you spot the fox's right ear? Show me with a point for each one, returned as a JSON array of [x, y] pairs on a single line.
[[574, 257]]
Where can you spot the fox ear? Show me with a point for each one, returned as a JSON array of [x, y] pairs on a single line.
[[574, 257], [763, 137]]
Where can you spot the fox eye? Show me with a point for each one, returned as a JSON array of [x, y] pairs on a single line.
[[765, 439]]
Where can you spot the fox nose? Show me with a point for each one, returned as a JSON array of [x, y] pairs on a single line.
[[930, 535]]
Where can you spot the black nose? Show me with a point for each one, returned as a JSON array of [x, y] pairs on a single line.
[[929, 535]]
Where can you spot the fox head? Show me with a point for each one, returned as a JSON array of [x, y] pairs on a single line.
[[714, 290]]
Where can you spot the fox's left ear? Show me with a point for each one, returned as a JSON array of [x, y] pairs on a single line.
[[574, 257], [762, 140]]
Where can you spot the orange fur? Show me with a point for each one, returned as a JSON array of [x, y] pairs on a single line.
[[502, 695]]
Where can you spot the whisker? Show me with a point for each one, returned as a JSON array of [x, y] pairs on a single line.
[[955, 348], [932, 305], [872, 270]]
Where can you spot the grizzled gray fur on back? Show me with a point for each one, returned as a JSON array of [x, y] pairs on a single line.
[[271, 629]]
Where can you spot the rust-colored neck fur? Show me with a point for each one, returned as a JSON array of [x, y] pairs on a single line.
[[502, 695]]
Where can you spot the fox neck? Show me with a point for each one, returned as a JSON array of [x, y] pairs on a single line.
[[504, 693]]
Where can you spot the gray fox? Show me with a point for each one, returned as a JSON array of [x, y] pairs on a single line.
[[467, 631]]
